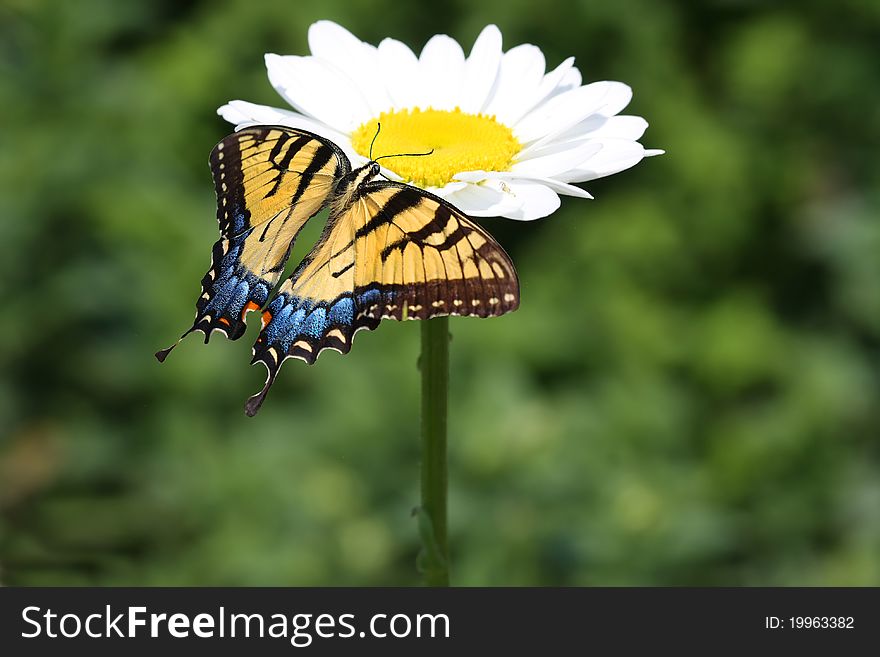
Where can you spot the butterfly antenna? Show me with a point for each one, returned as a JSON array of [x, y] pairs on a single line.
[[378, 128], [404, 155]]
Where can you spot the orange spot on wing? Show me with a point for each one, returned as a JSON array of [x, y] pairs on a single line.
[[267, 317], [223, 320], [249, 306]]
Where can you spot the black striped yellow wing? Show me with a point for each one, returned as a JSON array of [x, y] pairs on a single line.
[[393, 252], [269, 181]]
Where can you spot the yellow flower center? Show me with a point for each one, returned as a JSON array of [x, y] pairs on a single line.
[[460, 141]]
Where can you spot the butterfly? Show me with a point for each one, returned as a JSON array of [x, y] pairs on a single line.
[[388, 251]]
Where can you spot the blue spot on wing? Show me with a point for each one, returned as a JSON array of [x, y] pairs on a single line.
[[222, 295], [292, 330], [294, 318], [375, 296], [277, 328], [238, 220], [236, 244], [240, 297], [369, 297], [316, 323], [260, 293], [232, 291], [288, 315], [301, 319], [342, 312], [277, 304]]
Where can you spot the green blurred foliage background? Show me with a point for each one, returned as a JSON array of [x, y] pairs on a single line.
[[688, 395]]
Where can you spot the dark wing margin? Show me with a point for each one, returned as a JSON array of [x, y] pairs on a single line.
[[269, 181], [395, 252]]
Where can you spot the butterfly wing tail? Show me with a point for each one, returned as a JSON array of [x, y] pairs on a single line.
[[229, 293], [255, 401], [162, 354], [294, 327]]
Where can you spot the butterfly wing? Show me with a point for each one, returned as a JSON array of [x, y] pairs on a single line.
[[270, 180], [394, 252]]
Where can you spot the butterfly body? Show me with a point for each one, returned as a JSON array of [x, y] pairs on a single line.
[[388, 250], [348, 186]]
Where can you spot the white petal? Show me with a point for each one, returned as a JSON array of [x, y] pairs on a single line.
[[591, 128], [519, 76], [241, 112], [557, 160], [319, 90], [484, 200], [542, 92], [552, 183], [564, 188], [571, 80], [616, 155], [400, 68], [579, 132], [481, 71], [514, 199], [552, 81], [334, 43], [244, 114], [565, 110], [476, 176], [615, 127], [357, 60], [619, 95], [441, 65], [535, 200], [447, 189]]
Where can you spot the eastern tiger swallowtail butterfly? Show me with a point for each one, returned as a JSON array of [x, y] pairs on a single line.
[[388, 251]]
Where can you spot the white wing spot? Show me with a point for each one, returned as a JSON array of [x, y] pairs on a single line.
[[509, 297], [493, 301], [437, 304], [457, 303], [475, 302]]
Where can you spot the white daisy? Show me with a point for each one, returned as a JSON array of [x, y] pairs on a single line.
[[507, 136]]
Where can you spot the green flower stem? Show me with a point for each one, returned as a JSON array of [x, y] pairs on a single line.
[[432, 514]]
